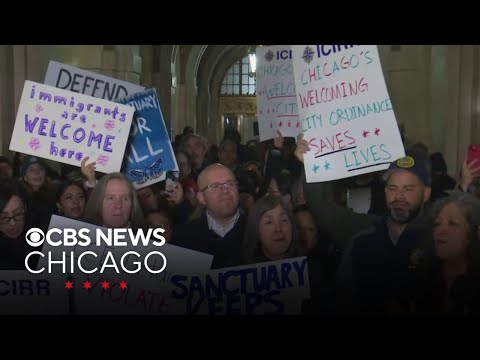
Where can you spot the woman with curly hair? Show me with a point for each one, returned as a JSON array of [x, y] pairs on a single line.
[[450, 280]]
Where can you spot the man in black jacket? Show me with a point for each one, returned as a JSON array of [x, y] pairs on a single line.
[[377, 272], [219, 230]]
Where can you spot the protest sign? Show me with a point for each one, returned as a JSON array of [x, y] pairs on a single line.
[[23, 293], [126, 276], [270, 288], [276, 98], [63, 126], [345, 111], [149, 152], [87, 82]]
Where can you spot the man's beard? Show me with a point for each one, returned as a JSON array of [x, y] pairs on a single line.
[[404, 216]]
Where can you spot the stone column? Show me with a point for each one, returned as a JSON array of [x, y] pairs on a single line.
[[7, 113]]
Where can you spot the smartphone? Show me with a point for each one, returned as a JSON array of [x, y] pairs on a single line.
[[474, 154], [171, 177]]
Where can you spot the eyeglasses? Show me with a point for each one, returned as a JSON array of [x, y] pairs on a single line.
[[217, 186], [6, 219]]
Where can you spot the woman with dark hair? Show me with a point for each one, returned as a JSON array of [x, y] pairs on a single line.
[[280, 184], [248, 187], [317, 244], [271, 235], [14, 222], [149, 197], [161, 218], [6, 168], [189, 184], [71, 200], [450, 271], [40, 190]]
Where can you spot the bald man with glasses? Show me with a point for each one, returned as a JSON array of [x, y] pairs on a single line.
[[219, 230]]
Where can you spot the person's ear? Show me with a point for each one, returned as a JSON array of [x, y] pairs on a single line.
[[426, 194], [201, 198]]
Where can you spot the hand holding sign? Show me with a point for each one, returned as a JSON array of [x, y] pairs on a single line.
[[88, 170], [302, 148], [278, 140]]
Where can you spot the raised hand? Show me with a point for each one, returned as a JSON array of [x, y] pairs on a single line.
[[468, 173], [278, 140], [302, 148], [175, 196], [88, 170]]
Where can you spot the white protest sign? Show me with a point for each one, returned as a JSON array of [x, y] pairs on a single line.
[[87, 82], [129, 287], [270, 288], [23, 293], [66, 127], [276, 98], [345, 111]]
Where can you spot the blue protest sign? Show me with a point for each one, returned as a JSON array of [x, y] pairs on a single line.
[[149, 153]]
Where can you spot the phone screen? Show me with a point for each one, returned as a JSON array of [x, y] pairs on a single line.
[[171, 177], [474, 154]]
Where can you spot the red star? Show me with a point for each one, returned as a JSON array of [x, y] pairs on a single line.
[[280, 124], [298, 124], [123, 285], [87, 284], [365, 133], [105, 284], [68, 285], [377, 131]]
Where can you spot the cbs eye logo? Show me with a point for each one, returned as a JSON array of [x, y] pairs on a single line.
[[35, 237]]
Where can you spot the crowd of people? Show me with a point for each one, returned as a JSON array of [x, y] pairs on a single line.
[[415, 252]]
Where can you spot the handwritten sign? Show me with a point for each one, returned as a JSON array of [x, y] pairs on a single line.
[[276, 287], [66, 127], [87, 82], [276, 97], [149, 152], [142, 293], [108, 291], [23, 293], [345, 111]]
